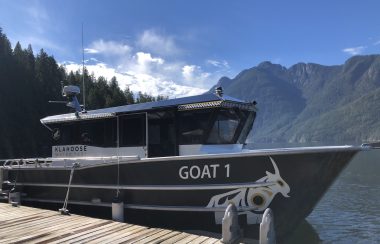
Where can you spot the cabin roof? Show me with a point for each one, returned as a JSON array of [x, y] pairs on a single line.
[[144, 107]]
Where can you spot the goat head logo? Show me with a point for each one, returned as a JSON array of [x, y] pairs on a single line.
[[257, 197]]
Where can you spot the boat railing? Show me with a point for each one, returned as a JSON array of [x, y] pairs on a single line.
[[62, 162]]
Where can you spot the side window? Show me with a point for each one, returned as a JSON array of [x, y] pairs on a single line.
[[63, 134], [97, 133], [132, 130], [91, 133]]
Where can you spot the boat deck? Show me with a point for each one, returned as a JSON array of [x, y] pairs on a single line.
[[32, 225]]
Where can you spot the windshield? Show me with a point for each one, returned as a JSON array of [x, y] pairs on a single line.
[[224, 129], [192, 126]]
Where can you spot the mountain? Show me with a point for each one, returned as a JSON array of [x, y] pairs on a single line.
[[312, 103]]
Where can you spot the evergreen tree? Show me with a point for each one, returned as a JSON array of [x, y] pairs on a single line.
[[5, 94], [130, 98], [117, 97]]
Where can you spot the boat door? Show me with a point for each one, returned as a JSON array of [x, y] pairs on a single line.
[[132, 134], [162, 134]]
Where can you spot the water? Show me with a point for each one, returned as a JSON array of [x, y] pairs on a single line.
[[350, 210]]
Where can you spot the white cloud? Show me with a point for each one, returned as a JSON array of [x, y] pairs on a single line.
[[194, 74], [91, 50], [91, 60], [161, 45], [218, 64], [147, 67], [144, 63], [376, 43], [354, 50], [139, 82], [108, 48]]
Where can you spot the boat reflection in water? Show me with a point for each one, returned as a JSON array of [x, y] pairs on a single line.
[[178, 163]]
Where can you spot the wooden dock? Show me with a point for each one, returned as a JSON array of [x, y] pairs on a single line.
[[32, 225]]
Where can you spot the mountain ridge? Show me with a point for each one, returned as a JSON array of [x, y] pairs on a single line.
[[301, 104]]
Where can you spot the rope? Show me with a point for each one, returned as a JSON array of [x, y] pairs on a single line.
[[64, 209]]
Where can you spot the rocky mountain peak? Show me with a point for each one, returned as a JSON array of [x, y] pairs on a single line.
[[310, 102], [267, 65]]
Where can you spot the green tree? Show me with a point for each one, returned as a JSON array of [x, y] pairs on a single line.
[[130, 98], [117, 97]]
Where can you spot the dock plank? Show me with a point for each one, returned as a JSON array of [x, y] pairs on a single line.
[[67, 232], [98, 234], [176, 238], [93, 231], [211, 241], [156, 238], [32, 225], [136, 236], [188, 239], [58, 227], [117, 235], [199, 239]]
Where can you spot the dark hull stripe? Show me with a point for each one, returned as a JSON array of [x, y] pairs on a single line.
[[143, 207]]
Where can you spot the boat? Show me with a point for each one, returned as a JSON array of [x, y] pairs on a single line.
[[176, 163]]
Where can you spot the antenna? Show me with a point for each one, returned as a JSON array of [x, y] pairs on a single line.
[[84, 87]]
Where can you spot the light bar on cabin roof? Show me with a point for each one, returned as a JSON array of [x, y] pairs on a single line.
[[73, 117], [217, 104]]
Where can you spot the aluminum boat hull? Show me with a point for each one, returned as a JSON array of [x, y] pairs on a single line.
[[191, 192]]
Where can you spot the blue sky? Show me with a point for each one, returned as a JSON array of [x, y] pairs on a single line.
[[180, 48]]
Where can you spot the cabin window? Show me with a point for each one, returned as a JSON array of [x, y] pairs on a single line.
[[132, 130], [247, 122], [214, 126], [224, 129], [98, 133], [193, 126]]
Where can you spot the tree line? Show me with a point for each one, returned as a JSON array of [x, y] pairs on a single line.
[[28, 82]]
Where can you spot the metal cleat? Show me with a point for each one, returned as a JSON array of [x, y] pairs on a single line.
[[231, 232], [267, 232]]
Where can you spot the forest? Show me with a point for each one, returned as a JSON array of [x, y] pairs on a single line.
[[28, 82]]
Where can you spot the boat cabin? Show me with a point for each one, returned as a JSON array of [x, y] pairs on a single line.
[[203, 124]]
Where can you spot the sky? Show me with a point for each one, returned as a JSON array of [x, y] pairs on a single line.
[[179, 48]]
